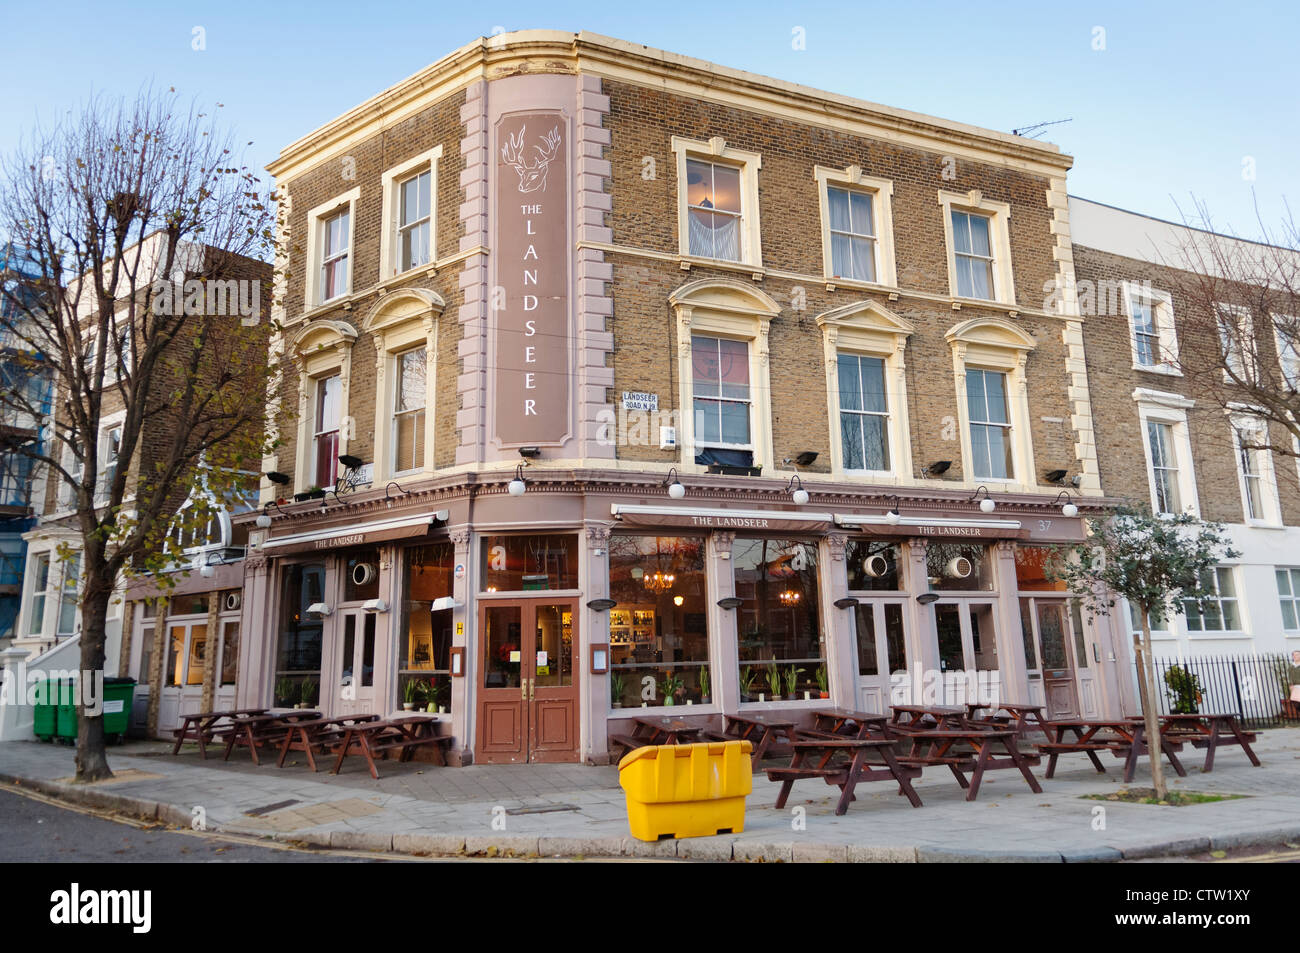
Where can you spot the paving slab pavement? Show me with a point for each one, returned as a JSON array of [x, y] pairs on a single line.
[[572, 810]]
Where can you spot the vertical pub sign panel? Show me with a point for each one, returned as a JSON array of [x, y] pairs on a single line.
[[530, 297]]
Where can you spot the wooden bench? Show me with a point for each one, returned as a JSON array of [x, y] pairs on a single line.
[[207, 726], [402, 735], [819, 758], [318, 735]]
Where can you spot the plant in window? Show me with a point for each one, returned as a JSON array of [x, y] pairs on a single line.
[[410, 692], [617, 686], [747, 679], [822, 682], [792, 681], [284, 692], [433, 697], [774, 681], [671, 687], [1186, 690], [307, 693], [704, 686]]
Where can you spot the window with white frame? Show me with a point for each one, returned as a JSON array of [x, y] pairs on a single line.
[[40, 575], [410, 200], [992, 448], [1151, 324], [1259, 495], [1166, 446], [977, 233], [110, 449], [864, 413], [1156, 621], [1236, 342], [68, 605], [1218, 612], [329, 249], [325, 435], [1288, 592], [717, 201], [410, 388], [1286, 336], [857, 226], [1164, 466], [721, 395]]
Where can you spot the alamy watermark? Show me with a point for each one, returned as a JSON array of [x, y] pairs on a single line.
[[213, 297], [54, 687]]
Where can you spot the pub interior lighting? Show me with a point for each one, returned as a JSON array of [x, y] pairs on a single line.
[[1068, 509], [987, 505], [675, 488], [796, 490], [518, 485]]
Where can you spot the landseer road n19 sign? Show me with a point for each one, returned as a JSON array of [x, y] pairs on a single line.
[[531, 297]]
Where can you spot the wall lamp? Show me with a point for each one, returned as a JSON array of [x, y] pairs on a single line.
[[264, 518], [518, 485], [1068, 509], [278, 478], [206, 570], [892, 517], [987, 505], [388, 499], [938, 468], [1054, 476], [675, 488], [601, 605], [926, 598], [848, 602], [731, 602], [796, 490], [529, 453]]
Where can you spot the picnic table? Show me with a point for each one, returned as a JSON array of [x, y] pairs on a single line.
[[1023, 718], [926, 718], [656, 731], [318, 733], [762, 731], [403, 735], [267, 728], [825, 758], [204, 726], [1208, 731], [1122, 737], [847, 722], [942, 746]]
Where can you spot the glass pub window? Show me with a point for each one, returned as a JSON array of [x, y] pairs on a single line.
[[425, 650], [408, 411], [973, 254], [990, 424], [713, 209], [779, 621], [298, 653], [413, 229], [864, 412], [529, 563], [853, 234]]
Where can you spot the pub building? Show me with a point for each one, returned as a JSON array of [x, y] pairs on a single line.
[[595, 444]]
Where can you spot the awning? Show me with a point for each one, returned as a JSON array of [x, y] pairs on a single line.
[[363, 534], [938, 526], [717, 518]]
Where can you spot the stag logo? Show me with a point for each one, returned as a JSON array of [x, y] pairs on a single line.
[[532, 178]]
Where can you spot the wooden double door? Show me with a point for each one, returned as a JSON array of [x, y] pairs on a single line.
[[527, 692]]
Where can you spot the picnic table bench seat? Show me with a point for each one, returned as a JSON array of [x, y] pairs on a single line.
[[402, 735], [842, 762]]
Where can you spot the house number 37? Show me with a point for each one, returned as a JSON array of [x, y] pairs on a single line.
[[1044, 525]]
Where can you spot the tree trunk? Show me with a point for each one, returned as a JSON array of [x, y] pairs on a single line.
[[1147, 692], [92, 762]]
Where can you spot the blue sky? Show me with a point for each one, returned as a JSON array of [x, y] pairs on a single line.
[[1183, 99]]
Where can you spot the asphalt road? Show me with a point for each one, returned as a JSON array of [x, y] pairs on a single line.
[[36, 830]]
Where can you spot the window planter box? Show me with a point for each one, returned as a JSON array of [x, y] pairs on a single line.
[[309, 495], [735, 471]]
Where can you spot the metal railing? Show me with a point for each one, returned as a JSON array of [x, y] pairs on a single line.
[[1255, 686]]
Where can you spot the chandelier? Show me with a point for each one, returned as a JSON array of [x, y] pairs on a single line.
[[659, 581], [790, 598]]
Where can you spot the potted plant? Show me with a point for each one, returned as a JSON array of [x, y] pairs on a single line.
[[617, 685], [821, 682], [284, 693], [774, 681], [670, 686], [747, 678], [1186, 690], [792, 680], [308, 693], [704, 685], [410, 692], [431, 696]]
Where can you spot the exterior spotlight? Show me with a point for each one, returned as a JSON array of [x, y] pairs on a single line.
[[351, 462], [926, 598], [518, 485], [938, 468], [601, 605], [796, 490], [278, 478], [893, 516], [987, 505], [675, 488], [1054, 476], [731, 602], [1068, 509], [848, 602]]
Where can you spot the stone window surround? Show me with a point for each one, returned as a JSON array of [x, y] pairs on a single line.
[[882, 195], [999, 215], [389, 244], [996, 344], [323, 348], [1244, 336], [749, 163], [1166, 408], [867, 328], [725, 308], [1243, 417], [400, 321], [1162, 310], [315, 245]]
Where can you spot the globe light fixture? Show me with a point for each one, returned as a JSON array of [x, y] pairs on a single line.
[[518, 485], [675, 489], [796, 490], [987, 505], [1068, 509]]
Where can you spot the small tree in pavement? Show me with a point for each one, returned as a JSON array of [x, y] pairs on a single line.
[[1158, 563]]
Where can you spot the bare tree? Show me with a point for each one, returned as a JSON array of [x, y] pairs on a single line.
[[127, 217], [1239, 325]]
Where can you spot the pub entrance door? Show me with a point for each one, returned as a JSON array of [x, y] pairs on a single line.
[[528, 698]]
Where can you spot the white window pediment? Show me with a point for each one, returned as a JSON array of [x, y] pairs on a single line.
[[999, 346], [400, 322], [318, 336]]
